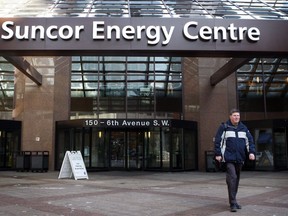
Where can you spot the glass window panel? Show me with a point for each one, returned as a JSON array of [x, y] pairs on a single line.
[[264, 148], [76, 67], [136, 67], [176, 59], [137, 84], [91, 85], [76, 77], [175, 76], [90, 66], [7, 85], [161, 66], [6, 75], [175, 67], [199, 9], [115, 58], [115, 85], [75, 85], [91, 77], [77, 94], [75, 58], [10, 94], [91, 93], [161, 76], [114, 76], [137, 58], [114, 67], [136, 76], [268, 80], [160, 59], [6, 66], [151, 77], [265, 68]]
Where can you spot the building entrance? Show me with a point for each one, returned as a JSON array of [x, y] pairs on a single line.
[[126, 149], [167, 145]]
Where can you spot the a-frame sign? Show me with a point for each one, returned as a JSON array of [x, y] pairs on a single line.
[[73, 165]]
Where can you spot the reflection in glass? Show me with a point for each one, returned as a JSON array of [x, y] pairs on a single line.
[[117, 145], [146, 85], [264, 149]]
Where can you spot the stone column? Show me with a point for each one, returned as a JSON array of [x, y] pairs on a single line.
[[207, 105], [39, 107]]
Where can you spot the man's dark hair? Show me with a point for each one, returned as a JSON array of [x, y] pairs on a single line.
[[234, 110]]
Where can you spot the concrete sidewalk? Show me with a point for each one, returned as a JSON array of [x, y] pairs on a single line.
[[141, 194]]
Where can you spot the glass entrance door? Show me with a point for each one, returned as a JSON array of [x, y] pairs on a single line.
[[130, 148], [9, 146], [117, 149], [135, 141], [126, 149]]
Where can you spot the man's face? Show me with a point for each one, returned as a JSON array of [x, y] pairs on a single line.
[[235, 118]]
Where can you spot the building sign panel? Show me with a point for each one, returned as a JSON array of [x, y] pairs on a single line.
[[194, 36], [118, 123]]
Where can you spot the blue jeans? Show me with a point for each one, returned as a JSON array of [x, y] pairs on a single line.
[[232, 179]]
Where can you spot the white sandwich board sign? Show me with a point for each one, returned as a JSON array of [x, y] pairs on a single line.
[[73, 165]]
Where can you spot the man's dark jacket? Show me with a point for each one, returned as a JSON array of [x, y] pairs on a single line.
[[233, 142]]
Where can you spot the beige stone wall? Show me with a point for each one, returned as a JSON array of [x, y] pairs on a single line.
[[207, 105], [39, 107]]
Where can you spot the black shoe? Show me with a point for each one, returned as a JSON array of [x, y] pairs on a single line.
[[233, 208], [238, 206]]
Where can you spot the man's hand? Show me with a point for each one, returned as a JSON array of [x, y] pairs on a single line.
[[218, 158], [251, 156]]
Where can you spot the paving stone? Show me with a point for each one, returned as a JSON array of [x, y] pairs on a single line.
[[136, 193]]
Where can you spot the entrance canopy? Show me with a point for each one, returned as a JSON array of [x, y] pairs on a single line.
[[240, 29]]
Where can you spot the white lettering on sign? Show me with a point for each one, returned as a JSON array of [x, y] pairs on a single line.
[[233, 33], [162, 123], [154, 34], [52, 32], [127, 123], [135, 123]]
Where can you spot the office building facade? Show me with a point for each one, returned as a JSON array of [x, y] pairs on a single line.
[[142, 85]]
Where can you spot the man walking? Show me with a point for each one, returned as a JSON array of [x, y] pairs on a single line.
[[232, 142]]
